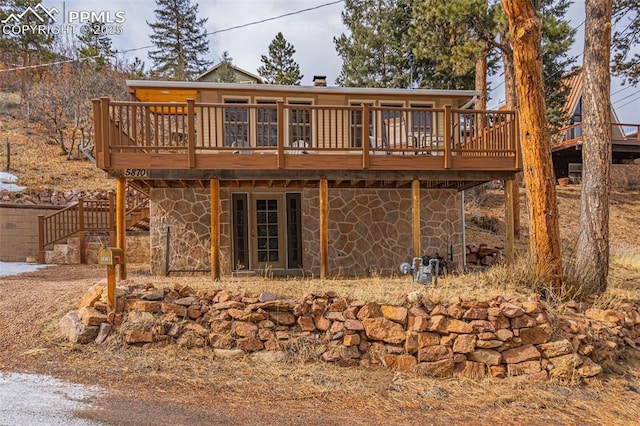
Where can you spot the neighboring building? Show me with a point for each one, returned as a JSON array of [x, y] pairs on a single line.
[[212, 75], [302, 179], [567, 154]]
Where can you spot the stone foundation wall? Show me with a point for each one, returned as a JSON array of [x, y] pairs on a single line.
[[370, 230], [471, 339]]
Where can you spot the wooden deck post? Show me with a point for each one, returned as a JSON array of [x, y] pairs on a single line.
[[415, 194], [448, 140], [509, 234], [97, 131], [120, 217], [112, 218], [280, 133], [215, 228], [365, 136], [324, 228], [81, 233], [105, 126], [191, 132]]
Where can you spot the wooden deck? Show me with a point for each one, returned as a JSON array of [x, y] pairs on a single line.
[[286, 142], [622, 135]]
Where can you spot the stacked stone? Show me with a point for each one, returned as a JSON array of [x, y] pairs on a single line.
[[482, 256], [471, 339]]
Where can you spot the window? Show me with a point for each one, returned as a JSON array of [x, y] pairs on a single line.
[[267, 123], [421, 120], [300, 122], [355, 136], [236, 124]]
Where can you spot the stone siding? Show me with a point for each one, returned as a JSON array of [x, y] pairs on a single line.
[[370, 230]]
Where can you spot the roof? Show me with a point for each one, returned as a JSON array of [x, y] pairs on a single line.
[[201, 85], [573, 80], [237, 69]]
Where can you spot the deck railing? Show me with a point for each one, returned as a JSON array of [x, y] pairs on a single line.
[[620, 133], [199, 135]]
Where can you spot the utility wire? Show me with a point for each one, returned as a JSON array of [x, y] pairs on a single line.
[[207, 34]]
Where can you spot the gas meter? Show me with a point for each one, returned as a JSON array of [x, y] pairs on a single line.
[[420, 272]]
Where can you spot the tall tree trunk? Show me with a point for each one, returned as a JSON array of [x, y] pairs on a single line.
[[481, 80], [592, 258], [511, 100], [544, 246]]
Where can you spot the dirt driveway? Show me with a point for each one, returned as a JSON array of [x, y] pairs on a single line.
[[192, 387]]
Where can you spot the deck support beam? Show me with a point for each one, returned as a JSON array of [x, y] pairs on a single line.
[[415, 195], [121, 187], [215, 228], [324, 228], [509, 219]]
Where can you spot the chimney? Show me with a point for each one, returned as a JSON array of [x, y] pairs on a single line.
[[320, 80]]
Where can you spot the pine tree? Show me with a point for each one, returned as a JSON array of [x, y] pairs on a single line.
[[375, 53], [626, 63], [279, 67], [96, 44], [226, 73], [180, 40]]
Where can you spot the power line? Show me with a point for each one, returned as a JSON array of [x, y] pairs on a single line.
[[630, 102], [207, 34]]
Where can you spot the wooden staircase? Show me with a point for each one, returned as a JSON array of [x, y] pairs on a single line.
[[72, 225]]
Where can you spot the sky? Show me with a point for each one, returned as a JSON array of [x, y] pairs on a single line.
[[311, 33]]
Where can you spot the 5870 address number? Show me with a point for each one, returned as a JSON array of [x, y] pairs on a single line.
[[136, 173]]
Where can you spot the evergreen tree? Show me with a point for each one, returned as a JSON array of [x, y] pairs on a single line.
[[25, 47], [226, 73], [375, 53], [626, 63], [180, 40], [279, 67], [96, 44]]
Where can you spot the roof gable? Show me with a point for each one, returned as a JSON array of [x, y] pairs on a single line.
[[242, 76]]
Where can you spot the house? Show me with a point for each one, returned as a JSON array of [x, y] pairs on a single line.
[[212, 75], [314, 180], [567, 153]]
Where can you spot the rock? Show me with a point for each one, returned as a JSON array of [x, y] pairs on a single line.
[[143, 306], [441, 369], [187, 301], [75, 331], [172, 308], [139, 319], [455, 311], [443, 324], [419, 323], [134, 336], [411, 343], [193, 336], [523, 321], [589, 368], [282, 318], [351, 340], [250, 344], [91, 316], [470, 370], [306, 323], [536, 335], [524, 368], [338, 305], [394, 313], [321, 323], [482, 326], [608, 315], [498, 371], [244, 329], [475, 314], [153, 294], [227, 305], [428, 339], [403, 363], [334, 316], [370, 310], [383, 329], [435, 353], [521, 354], [555, 349], [511, 310], [464, 343], [221, 326], [318, 306], [91, 296], [353, 325], [504, 334], [565, 366], [274, 305], [269, 356], [485, 356], [103, 332], [228, 353], [266, 297], [489, 344]]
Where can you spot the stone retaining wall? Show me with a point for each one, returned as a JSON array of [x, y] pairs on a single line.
[[471, 339]]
